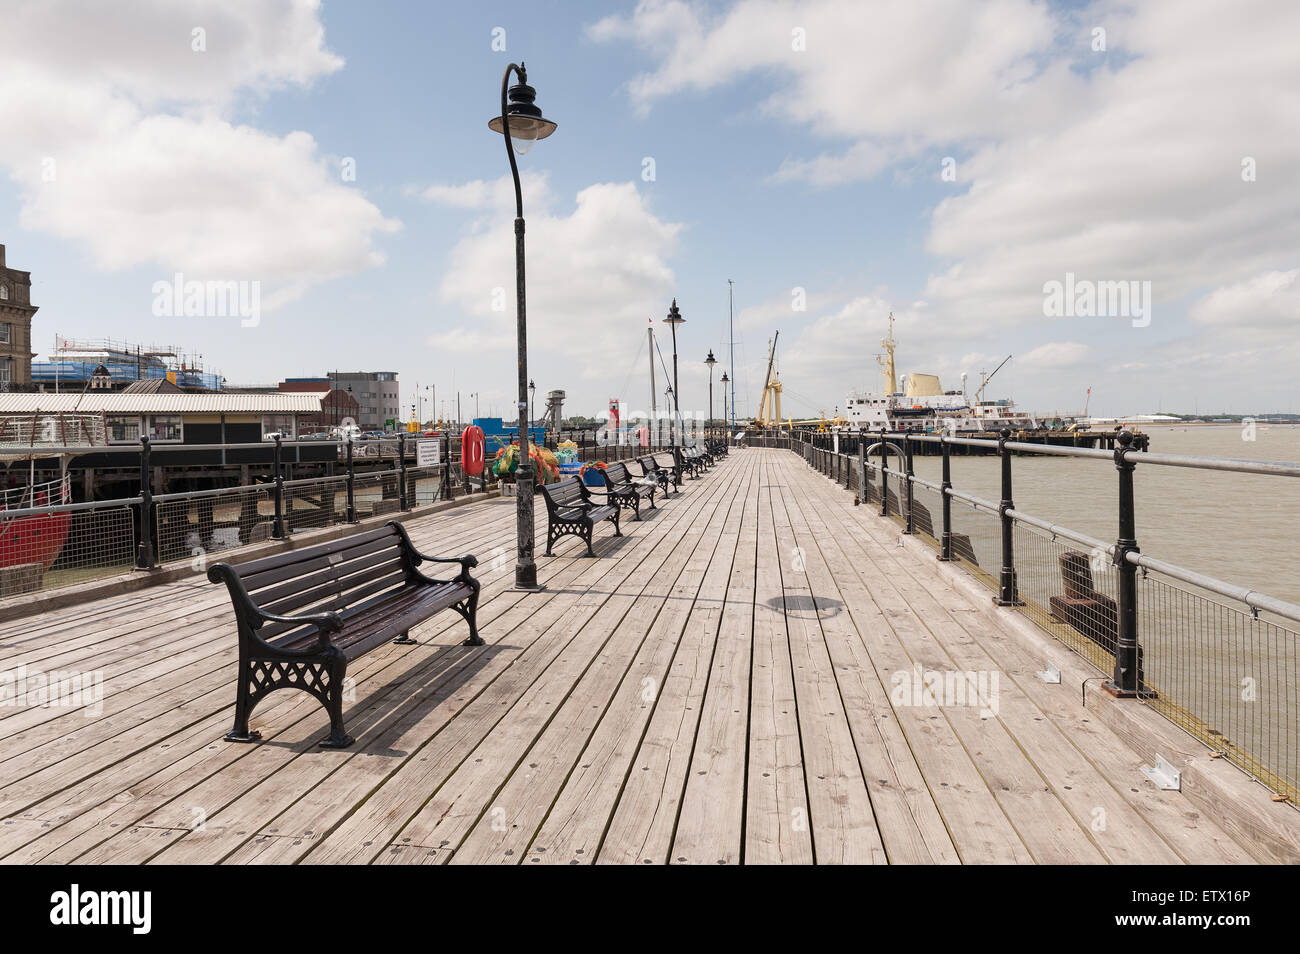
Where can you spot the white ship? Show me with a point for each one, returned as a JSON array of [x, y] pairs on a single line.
[[923, 404]]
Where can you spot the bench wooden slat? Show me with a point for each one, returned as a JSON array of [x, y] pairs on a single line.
[[295, 594], [307, 553], [269, 575]]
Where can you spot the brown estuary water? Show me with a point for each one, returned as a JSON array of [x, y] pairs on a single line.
[[1240, 528]]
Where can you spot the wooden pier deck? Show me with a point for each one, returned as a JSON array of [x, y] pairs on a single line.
[[714, 688]]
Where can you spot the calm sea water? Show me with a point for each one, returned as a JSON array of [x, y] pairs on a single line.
[[1238, 527]]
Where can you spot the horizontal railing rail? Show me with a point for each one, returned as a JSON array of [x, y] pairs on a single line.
[[70, 543]]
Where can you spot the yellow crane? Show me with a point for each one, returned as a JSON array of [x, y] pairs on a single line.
[[771, 400]]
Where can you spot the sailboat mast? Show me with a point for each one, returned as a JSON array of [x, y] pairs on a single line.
[[654, 408], [731, 332]]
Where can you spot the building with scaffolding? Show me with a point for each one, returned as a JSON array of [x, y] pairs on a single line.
[[79, 364]]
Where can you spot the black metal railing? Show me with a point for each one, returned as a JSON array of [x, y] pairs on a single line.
[[152, 529], [1219, 659]]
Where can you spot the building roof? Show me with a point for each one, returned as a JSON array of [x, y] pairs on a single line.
[[152, 386], [275, 402]]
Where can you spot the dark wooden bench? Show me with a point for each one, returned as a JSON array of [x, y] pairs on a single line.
[[717, 448], [346, 597], [695, 460], [667, 475], [1088, 612], [570, 509], [628, 491]]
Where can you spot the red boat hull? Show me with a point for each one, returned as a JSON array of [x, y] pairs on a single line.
[[36, 539]]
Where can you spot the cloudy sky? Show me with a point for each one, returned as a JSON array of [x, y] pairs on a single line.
[[836, 159]]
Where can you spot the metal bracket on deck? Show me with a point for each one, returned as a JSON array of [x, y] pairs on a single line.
[[1051, 674], [1164, 775]]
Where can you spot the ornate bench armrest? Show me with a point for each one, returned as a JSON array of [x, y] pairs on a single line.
[[467, 562], [325, 622]]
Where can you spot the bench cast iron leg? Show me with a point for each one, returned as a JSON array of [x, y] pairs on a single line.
[[405, 640], [470, 612], [337, 667], [243, 709], [617, 531]]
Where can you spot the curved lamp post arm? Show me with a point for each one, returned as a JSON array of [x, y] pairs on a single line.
[[522, 73]]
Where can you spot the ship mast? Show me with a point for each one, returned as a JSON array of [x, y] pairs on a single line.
[[886, 360]]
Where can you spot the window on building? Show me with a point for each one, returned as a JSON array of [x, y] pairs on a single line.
[[281, 424], [4, 292], [123, 430], [166, 428], [6, 372], [4, 332]]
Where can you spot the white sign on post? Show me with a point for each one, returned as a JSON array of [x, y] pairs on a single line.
[[428, 453]]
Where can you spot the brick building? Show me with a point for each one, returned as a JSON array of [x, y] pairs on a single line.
[[16, 310]]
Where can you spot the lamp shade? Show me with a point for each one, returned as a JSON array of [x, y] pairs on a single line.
[[527, 124]]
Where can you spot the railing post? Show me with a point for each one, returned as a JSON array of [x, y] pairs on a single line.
[[909, 526], [144, 559], [444, 485], [351, 514], [277, 528], [401, 473], [884, 477], [1007, 595], [945, 486], [861, 496], [1127, 681]]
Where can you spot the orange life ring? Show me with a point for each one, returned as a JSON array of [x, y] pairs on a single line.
[[471, 450]]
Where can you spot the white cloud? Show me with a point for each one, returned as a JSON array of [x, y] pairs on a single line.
[[592, 272], [1057, 354], [911, 72], [1268, 301], [119, 135], [1117, 165], [495, 194]]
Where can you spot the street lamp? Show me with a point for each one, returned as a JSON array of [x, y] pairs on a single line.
[[673, 320], [532, 403], [725, 379], [710, 361], [521, 124]]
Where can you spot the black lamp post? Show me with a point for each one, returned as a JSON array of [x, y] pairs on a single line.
[[673, 320], [521, 124], [532, 403], [710, 361], [725, 379]]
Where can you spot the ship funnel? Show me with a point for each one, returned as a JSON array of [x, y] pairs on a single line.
[[963, 387]]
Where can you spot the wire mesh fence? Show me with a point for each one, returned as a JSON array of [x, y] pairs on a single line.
[[1227, 677], [46, 548], [1070, 591], [315, 503], [186, 526]]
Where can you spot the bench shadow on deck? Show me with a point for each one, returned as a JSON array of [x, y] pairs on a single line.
[[726, 683]]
